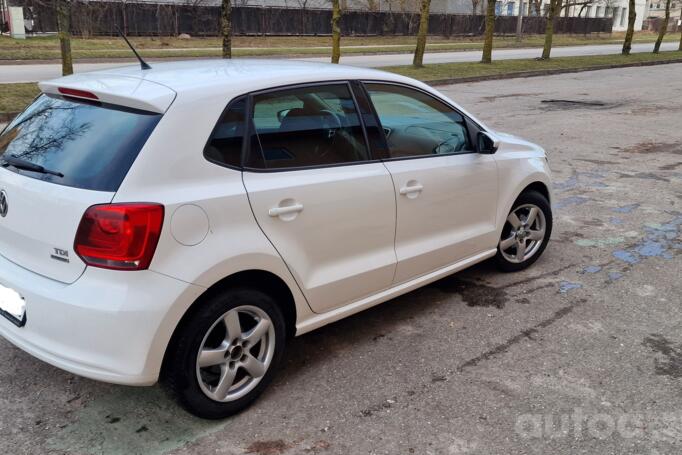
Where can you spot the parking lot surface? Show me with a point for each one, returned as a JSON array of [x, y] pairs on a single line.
[[581, 353]]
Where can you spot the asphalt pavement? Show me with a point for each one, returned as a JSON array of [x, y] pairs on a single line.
[[581, 353]]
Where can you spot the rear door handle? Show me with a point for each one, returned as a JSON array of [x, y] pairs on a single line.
[[279, 211], [414, 188]]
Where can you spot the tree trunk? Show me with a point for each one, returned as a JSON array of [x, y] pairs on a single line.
[[64, 34], [336, 31], [418, 60], [632, 16], [680, 48], [474, 7], [664, 28], [554, 7], [519, 23], [226, 28], [489, 30]]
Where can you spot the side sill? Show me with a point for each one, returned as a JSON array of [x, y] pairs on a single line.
[[320, 320]]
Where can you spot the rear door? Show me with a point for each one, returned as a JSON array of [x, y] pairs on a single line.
[[326, 207], [446, 194], [58, 158]]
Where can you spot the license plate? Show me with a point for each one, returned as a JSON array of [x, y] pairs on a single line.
[[12, 306]]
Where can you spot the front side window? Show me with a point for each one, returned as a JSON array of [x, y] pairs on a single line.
[[417, 124], [225, 145], [303, 127]]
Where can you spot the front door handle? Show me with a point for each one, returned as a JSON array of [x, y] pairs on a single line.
[[411, 188], [287, 209]]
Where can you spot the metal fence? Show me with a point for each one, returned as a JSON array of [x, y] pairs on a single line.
[[145, 19]]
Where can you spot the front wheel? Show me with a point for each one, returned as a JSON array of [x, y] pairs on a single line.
[[226, 353], [525, 233]]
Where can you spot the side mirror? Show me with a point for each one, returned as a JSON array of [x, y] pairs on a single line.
[[487, 143]]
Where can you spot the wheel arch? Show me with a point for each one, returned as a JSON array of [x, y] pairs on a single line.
[[539, 187], [538, 182], [263, 280]]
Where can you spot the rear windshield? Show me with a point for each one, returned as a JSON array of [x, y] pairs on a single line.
[[80, 144]]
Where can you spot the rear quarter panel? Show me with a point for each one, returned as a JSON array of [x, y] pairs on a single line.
[[209, 230]]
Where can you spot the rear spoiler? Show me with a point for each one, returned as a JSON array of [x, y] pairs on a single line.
[[115, 89]]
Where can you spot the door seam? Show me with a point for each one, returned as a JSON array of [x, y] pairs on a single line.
[[255, 218], [395, 222]]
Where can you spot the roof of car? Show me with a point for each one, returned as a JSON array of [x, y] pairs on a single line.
[[216, 77], [183, 75]]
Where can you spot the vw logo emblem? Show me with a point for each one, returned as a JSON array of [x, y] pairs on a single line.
[[3, 203]]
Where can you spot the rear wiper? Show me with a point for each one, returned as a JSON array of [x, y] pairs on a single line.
[[20, 163]]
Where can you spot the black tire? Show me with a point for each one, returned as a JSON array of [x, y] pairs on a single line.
[[180, 365], [526, 198]]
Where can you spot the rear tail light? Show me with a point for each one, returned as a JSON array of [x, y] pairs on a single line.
[[119, 236]]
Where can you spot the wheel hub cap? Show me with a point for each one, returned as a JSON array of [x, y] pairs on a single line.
[[236, 353]]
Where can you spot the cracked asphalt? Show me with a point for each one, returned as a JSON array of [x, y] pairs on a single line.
[[582, 353]]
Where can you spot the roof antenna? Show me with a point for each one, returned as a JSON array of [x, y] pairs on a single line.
[[143, 64]]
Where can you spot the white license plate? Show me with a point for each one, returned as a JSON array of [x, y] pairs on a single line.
[[12, 305]]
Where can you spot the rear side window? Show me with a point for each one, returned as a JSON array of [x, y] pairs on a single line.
[[225, 145], [309, 126], [80, 144], [416, 124]]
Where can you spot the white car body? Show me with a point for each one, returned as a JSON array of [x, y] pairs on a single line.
[[115, 325]]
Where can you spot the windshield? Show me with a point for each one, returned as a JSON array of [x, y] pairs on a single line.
[[81, 144]]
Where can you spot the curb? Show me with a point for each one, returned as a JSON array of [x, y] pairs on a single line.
[[548, 72], [6, 117]]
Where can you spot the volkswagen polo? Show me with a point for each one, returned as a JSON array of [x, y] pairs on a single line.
[[181, 223]]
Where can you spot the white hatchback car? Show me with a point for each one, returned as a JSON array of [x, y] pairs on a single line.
[[181, 222]]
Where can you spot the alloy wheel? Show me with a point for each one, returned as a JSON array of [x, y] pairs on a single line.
[[235, 353], [523, 233]]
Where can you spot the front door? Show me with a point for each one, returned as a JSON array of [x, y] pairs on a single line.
[[326, 208], [446, 194]]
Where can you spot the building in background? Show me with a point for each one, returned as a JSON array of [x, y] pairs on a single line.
[[616, 9], [437, 6], [656, 8]]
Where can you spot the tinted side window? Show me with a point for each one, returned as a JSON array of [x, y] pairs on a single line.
[[225, 145], [417, 124], [309, 126]]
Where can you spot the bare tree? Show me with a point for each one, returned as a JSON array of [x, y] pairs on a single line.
[[226, 27], [554, 9], [680, 48], [574, 4], [474, 6], [519, 22], [489, 31], [632, 17], [663, 29], [336, 31], [534, 7], [418, 60], [63, 9]]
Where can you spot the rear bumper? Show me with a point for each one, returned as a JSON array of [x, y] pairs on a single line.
[[109, 325]]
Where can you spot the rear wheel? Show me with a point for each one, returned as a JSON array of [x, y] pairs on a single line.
[[525, 233], [226, 353]]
